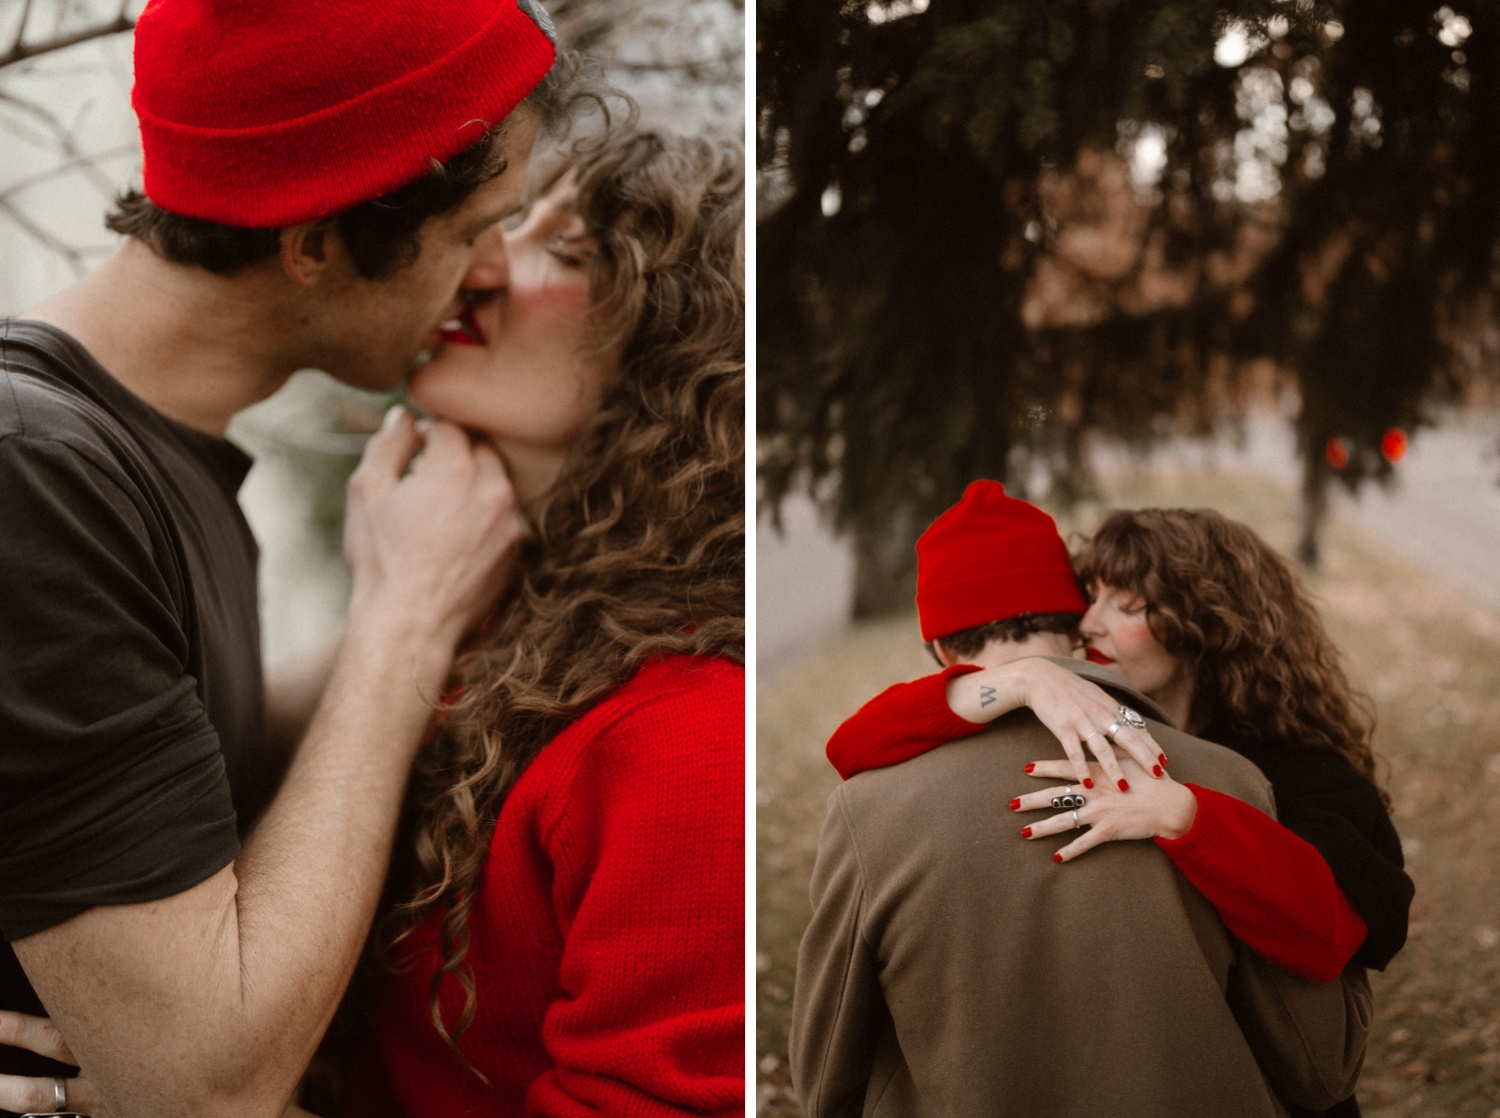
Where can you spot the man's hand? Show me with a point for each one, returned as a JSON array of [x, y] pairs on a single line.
[[431, 536], [24, 1094]]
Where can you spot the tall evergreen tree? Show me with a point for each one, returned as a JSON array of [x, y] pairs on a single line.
[[1317, 184]]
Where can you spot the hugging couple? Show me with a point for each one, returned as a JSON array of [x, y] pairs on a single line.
[[516, 776], [1179, 921]]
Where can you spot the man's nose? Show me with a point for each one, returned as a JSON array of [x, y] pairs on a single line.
[[489, 268]]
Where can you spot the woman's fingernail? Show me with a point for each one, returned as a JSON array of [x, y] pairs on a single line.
[[1155, 770], [1031, 768], [1124, 785], [1025, 832], [392, 415], [1087, 783], [1015, 805], [1161, 759], [1057, 857]]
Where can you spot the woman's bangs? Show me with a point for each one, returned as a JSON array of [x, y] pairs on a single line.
[[1118, 556]]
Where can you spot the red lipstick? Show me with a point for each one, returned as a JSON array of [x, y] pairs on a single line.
[[463, 330]]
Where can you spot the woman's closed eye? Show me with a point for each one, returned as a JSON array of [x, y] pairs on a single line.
[[571, 252]]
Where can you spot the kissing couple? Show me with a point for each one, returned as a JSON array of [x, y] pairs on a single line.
[[516, 775]]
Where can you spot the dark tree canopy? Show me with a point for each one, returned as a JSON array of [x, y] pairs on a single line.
[[1322, 195]]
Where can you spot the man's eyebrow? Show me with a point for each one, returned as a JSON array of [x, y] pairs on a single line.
[[480, 224]]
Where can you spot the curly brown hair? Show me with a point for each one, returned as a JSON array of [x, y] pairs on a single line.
[[639, 548], [1220, 598]]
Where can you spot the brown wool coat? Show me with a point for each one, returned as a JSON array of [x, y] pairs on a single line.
[[952, 968]]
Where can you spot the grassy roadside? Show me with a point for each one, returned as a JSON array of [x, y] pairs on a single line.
[[1427, 655]]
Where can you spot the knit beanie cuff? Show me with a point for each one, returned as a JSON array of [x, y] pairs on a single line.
[[952, 607]]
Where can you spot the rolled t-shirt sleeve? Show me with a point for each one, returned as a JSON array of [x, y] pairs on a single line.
[[112, 784]]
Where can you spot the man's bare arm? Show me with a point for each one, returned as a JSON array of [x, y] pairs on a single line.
[[212, 1001]]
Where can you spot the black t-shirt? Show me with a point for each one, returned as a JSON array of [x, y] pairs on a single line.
[[131, 700]]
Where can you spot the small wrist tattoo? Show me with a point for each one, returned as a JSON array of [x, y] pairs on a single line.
[[986, 695]]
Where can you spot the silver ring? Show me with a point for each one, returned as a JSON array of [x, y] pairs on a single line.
[[1075, 817], [1114, 728], [1095, 734], [59, 1101], [1131, 718], [1079, 800]]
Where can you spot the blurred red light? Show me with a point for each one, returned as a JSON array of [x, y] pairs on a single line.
[[1337, 453], [1393, 446]]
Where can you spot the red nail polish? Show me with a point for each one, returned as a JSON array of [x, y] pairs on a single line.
[[1030, 768], [1057, 857], [1155, 770], [1025, 832], [1087, 783], [1124, 785], [1015, 805], [1162, 759]]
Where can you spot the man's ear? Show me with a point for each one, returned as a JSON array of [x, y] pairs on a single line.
[[941, 654], [307, 250]]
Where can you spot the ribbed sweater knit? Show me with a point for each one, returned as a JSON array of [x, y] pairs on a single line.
[[608, 934], [1272, 889]]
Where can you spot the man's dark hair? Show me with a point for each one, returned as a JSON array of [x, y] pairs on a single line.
[[969, 642], [381, 235]]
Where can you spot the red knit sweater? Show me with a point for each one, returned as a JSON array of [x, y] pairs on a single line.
[[1272, 888], [608, 935]]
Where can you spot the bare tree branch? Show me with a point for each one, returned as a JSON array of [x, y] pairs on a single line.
[[21, 50], [21, 27], [723, 68], [88, 164], [63, 137]]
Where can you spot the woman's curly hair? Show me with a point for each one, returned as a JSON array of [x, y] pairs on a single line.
[[639, 547], [1221, 599]]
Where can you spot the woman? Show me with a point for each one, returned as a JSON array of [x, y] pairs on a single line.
[[1205, 619], [568, 925]]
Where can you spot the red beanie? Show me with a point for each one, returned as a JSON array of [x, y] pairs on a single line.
[[266, 113], [988, 558]]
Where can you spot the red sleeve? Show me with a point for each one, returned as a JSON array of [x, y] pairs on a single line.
[[902, 722], [648, 855], [1272, 889]]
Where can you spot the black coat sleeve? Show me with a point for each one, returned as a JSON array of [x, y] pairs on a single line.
[[1321, 798]]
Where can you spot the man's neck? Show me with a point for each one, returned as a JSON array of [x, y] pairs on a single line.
[[196, 346], [997, 652]]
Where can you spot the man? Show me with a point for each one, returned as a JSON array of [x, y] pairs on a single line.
[[952, 969], [316, 179]]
